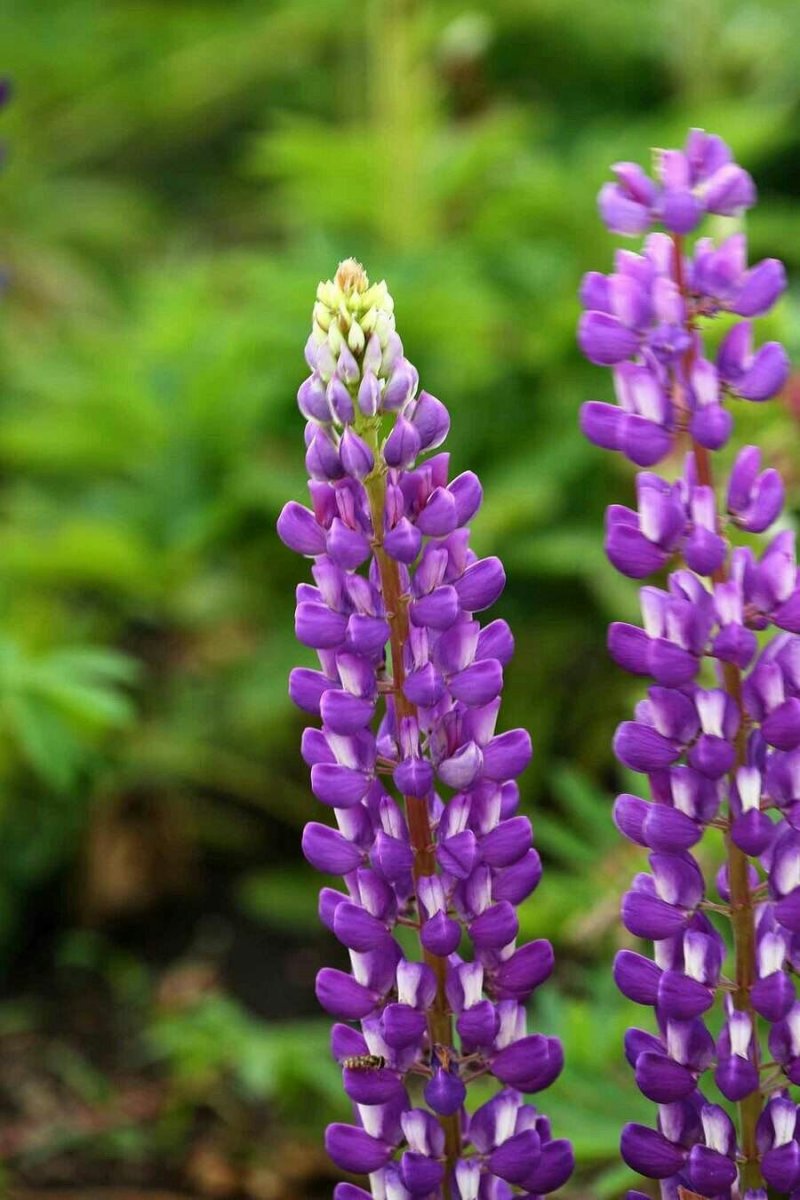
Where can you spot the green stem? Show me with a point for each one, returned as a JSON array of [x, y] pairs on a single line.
[[440, 1030], [742, 904]]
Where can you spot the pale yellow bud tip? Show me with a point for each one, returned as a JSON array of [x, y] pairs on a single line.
[[351, 277]]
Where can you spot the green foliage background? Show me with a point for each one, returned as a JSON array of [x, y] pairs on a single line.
[[179, 177]]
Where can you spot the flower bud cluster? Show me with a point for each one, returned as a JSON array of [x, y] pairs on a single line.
[[718, 734], [420, 784]]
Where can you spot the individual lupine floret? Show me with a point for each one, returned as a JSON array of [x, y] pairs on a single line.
[[420, 783], [701, 178], [718, 736], [671, 519], [642, 322], [755, 497], [777, 1142], [720, 279]]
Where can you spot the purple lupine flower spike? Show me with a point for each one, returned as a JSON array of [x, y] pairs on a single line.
[[420, 782], [718, 736]]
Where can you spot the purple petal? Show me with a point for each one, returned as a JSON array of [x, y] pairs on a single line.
[[343, 713], [669, 829], [431, 420], [507, 842], [782, 727], [299, 530], [787, 910], [767, 374], [602, 424], [403, 542], [357, 929], [648, 917], [680, 211], [525, 970], [507, 755], [682, 998], [649, 1152], [441, 935], [516, 883], [424, 687], [312, 399], [318, 626], [496, 641], [367, 635], [353, 1149], [629, 646], [467, 492], [637, 977], [372, 1086], [393, 856], [402, 445], [342, 996], [420, 1174], [445, 1092], [478, 1025], [773, 996], [605, 340], [632, 554], [440, 514], [399, 387], [457, 855], [643, 748], [438, 610], [306, 688], [752, 832], [780, 1166], [762, 286], [620, 213], [629, 815], [348, 548], [328, 850], [402, 1025], [481, 584], [338, 786], [736, 1077], [530, 1064], [711, 426], [462, 768], [554, 1168], [414, 777], [728, 190], [495, 927], [711, 1173], [514, 1159], [644, 441], [356, 456], [479, 683], [662, 1080]]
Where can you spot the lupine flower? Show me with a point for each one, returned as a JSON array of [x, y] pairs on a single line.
[[718, 734], [420, 784]]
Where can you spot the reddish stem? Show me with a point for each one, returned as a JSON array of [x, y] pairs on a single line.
[[742, 906], [440, 1029]]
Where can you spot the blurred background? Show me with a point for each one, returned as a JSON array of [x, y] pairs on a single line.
[[179, 176]]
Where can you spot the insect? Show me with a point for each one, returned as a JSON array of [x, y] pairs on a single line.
[[443, 1055], [364, 1062]]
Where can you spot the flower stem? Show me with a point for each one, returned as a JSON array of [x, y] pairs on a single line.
[[742, 907], [440, 1030]]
